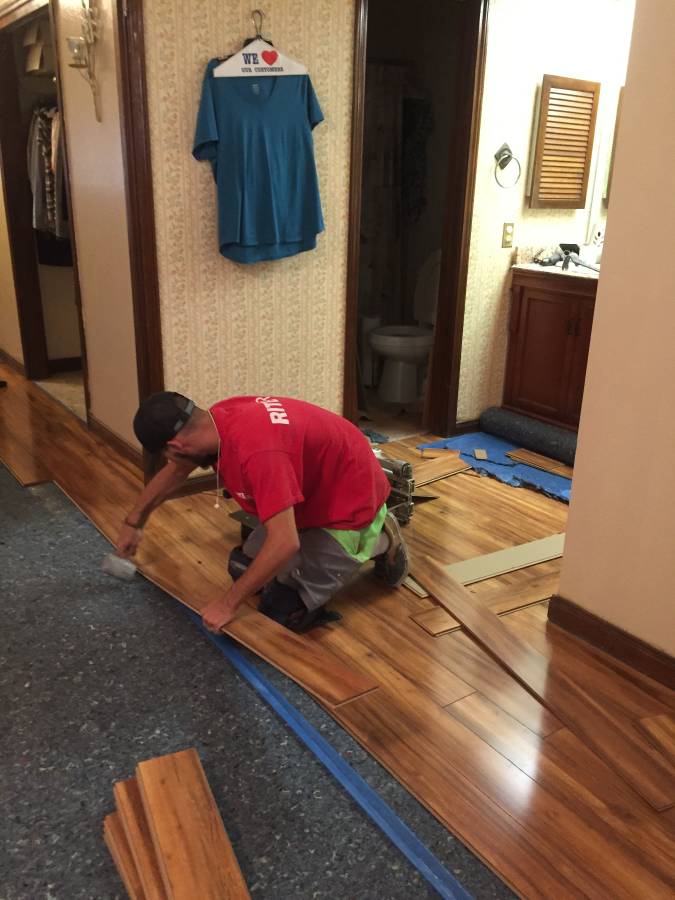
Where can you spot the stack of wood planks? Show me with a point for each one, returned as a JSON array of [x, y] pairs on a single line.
[[166, 836]]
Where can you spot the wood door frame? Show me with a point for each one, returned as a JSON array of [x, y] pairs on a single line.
[[441, 405], [135, 121]]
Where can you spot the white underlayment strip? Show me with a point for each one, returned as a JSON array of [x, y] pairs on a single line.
[[481, 567]]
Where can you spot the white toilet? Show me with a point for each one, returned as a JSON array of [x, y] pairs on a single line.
[[406, 348]]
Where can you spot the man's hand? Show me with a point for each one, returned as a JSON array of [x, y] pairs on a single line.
[[219, 613], [128, 540]]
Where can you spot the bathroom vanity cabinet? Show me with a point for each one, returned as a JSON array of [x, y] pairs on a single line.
[[549, 337]]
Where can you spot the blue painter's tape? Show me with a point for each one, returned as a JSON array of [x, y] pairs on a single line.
[[359, 790]]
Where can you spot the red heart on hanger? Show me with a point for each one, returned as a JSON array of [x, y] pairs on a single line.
[[270, 56]]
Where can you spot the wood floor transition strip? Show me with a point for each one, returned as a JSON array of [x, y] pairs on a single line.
[[590, 717]]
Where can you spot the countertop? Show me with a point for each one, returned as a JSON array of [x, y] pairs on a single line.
[[557, 270]]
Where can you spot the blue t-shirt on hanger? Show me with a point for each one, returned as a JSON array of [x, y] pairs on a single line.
[[257, 134]]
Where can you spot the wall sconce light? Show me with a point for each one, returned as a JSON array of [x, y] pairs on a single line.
[[82, 51]]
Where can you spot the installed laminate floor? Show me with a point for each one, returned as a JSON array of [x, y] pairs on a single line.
[[474, 747]]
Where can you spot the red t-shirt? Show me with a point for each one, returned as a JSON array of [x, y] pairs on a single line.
[[276, 452]]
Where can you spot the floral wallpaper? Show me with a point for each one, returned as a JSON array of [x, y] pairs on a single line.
[[268, 328]]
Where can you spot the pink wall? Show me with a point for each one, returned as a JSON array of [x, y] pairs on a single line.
[[620, 551]]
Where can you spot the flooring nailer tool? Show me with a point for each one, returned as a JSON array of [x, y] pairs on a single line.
[[400, 476]]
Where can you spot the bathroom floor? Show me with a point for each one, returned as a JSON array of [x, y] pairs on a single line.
[[389, 420], [68, 389]]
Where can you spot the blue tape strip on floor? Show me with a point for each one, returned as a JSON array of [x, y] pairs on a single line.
[[370, 802]]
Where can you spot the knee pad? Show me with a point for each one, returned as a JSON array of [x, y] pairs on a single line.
[[238, 563], [284, 604]]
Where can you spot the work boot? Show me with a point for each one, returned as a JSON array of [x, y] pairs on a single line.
[[238, 563], [283, 604], [392, 566]]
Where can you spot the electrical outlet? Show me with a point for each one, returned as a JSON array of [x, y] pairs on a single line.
[[507, 234]]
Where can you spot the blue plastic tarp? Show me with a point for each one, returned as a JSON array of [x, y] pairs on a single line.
[[502, 467]]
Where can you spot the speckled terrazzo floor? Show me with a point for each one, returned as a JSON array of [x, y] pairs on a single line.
[[96, 675]]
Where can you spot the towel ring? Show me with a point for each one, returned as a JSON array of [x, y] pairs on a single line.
[[503, 157]]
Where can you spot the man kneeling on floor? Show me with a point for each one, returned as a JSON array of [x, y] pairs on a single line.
[[309, 476]]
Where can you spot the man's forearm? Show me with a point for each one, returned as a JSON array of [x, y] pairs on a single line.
[[170, 477]]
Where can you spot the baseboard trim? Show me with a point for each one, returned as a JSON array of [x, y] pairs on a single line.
[[633, 651], [467, 427], [115, 441], [65, 364], [12, 363]]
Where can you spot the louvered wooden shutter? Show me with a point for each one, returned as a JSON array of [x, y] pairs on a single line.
[[562, 161]]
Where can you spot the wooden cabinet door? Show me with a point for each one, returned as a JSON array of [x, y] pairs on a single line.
[[540, 352], [583, 322]]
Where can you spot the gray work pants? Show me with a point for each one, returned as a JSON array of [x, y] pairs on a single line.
[[317, 571]]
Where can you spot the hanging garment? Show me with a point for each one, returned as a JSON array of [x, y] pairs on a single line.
[[257, 135]]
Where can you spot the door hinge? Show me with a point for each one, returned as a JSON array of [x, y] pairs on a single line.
[[125, 8]]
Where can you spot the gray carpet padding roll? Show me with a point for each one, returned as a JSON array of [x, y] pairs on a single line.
[[531, 434]]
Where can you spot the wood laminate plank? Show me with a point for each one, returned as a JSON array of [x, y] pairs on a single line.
[[401, 733], [501, 599], [581, 709], [660, 731], [479, 670], [192, 577], [316, 669], [195, 854], [539, 461], [402, 644], [185, 547], [116, 842], [546, 764], [132, 818], [508, 560], [431, 470]]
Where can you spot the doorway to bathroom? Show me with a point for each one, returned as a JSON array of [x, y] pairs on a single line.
[[416, 84]]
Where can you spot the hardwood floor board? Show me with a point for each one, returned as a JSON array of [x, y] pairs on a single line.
[[577, 659], [528, 836], [502, 597], [195, 854], [116, 842], [133, 820], [429, 471], [383, 626], [592, 711], [660, 732], [641, 838], [485, 675], [399, 729]]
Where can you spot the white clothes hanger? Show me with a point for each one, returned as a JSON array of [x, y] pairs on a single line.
[[258, 58]]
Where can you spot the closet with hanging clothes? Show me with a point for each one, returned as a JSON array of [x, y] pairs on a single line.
[[32, 139]]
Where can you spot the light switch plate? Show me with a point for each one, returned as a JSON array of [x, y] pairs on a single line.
[[507, 234]]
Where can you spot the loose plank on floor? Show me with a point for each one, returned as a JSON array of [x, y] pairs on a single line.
[[430, 470], [116, 842], [589, 716], [195, 854], [660, 731], [501, 596], [135, 825]]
